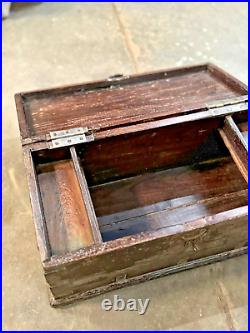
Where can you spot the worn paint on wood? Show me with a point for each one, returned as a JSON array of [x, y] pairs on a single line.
[[158, 191], [65, 213]]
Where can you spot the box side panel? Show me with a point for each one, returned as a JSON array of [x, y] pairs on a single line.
[[147, 277], [195, 240]]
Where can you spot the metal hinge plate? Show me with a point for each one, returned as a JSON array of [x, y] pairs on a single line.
[[70, 137], [235, 104]]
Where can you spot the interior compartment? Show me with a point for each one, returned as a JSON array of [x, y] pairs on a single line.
[[138, 182], [241, 121], [64, 210], [159, 178]]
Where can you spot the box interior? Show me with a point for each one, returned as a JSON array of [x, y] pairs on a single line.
[[64, 209], [161, 178], [138, 182]]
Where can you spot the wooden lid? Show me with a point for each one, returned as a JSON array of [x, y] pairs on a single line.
[[121, 100]]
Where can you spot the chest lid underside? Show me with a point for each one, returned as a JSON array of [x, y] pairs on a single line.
[[122, 100]]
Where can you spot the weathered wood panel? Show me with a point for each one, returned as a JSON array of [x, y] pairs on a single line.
[[111, 103], [128, 155], [64, 209], [203, 180], [142, 124], [136, 255], [236, 145], [169, 213]]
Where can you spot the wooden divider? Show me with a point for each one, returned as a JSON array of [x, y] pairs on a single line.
[[236, 144], [86, 196]]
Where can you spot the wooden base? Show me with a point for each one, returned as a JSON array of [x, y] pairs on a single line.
[[147, 277]]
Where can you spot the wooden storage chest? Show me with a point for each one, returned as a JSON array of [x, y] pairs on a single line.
[[135, 177]]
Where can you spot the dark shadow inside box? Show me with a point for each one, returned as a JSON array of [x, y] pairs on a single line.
[[161, 178]]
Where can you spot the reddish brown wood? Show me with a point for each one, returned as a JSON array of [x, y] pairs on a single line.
[[37, 209], [168, 213], [106, 104], [86, 196], [236, 144], [201, 181], [218, 109], [130, 255], [123, 156], [228, 79], [81, 295], [21, 116], [165, 190], [64, 209]]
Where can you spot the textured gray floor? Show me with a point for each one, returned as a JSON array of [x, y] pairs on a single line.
[[52, 44]]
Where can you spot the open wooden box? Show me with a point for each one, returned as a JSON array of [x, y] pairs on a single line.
[[135, 177]]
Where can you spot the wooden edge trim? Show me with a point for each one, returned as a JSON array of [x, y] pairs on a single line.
[[236, 145], [22, 121], [38, 143], [210, 113], [124, 79], [228, 79], [86, 196], [37, 208], [146, 277], [91, 86]]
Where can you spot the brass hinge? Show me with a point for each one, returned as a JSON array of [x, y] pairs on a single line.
[[70, 137]]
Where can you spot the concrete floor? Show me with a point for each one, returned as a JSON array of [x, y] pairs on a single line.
[[52, 44]]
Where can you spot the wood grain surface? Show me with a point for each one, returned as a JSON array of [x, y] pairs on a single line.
[[236, 144], [122, 103], [132, 256], [166, 193], [127, 155], [207, 179], [159, 199], [65, 213], [168, 213]]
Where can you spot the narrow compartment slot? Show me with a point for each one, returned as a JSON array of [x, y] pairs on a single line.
[[235, 141], [66, 216]]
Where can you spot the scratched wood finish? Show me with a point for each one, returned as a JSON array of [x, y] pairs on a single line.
[[163, 248], [112, 103], [168, 213], [236, 144], [156, 192], [206, 179], [64, 209]]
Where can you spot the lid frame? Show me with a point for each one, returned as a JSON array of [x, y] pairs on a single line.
[[120, 80]]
